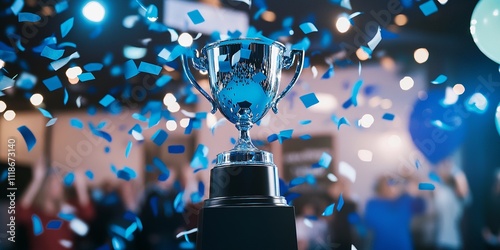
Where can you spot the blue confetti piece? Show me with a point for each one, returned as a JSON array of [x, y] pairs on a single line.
[[159, 137], [163, 80], [328, 210], [6, 82], [297, 181], [426, 186], [259, 13], [308, 28], [305, 122], [54, 224], [355, 90], [17, 6], [196, 17], [176, 149], [69, 178], [309, 100], [124, 175], [153, 203], [56, 65], [163, 176], [28, 17], [26, 81], [330, 72], [4, 176], [61, 6], [118, 243], [342, 121], [149, 68], [325, 160], [52, 83], [93, 67], [127, 150], [106, 150], [305, 137], [74, 122], [428, 8], [418, 164], [225, 66], [107, 100], [28, 136], [51, 122], [66, 216], [388, 116], [347, 104], [285, 135], [87, 76], [53, 54], [161, 165], [179, 203], [37, 225], [89, 174], [434, 177], [340, 203], [440, 79], [66, 26], [45, 113], [67, 44], [130, 69]]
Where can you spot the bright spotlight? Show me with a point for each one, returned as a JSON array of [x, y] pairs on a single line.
[[94, 11]]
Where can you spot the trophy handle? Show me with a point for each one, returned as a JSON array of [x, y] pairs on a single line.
[[287, 63], [200, 64]]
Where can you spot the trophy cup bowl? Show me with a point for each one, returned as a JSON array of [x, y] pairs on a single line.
[[244, 77]]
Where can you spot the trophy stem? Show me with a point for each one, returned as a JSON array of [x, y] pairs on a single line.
[[244, 125]]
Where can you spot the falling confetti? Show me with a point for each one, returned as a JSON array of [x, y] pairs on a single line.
[[159, 137], [56, 65], [426, 186], [354, 94], [388, 116], [51, 122], [89, 174], [196, 17], [67, 26], [78, 226], [308, 28], [127, 150], [52, 83], [176, 149], [328, 210], [428, 7], [54, 224], [53, 54], [37, 225], [28, 17], [149, 68], [45, 113], [325, 160], [340, 203], [440, 79], [309, 100], [28, 136], [372, 44], [106, 100], [74, 122], [87, 76], [342, 121]]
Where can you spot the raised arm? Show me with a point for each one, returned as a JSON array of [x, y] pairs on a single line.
[[39, 170]]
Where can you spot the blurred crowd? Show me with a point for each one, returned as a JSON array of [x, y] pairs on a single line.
[[53, 214]]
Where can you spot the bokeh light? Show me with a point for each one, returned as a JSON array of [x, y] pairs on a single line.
[[36, 99], [400, 20], [362, 55], [73, 72], [184, 122], [94, 11], [268, 16], [386, 104], [365, 155], [3, 106], [343, 24], [421, 55], [366, 121], [459, 89], [171, 125], [2, 63], [406, 83], [9, 115], [185, 40]]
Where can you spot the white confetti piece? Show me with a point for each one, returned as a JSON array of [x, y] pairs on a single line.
[[314, 71], [347, 171], [375, 40], [79, 227]]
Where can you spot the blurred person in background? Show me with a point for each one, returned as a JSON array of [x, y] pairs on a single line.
[[312, 229], [45, 199], [491, 231], [161, 221], [450, 197], [342, 224], [389, 214]]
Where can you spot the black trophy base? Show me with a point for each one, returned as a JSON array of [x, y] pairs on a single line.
[[247, 228]]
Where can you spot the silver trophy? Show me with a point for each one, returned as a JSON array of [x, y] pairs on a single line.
[[244, 76]]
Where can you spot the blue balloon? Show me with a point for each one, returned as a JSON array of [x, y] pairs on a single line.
[[485, 28], [437, 130]]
